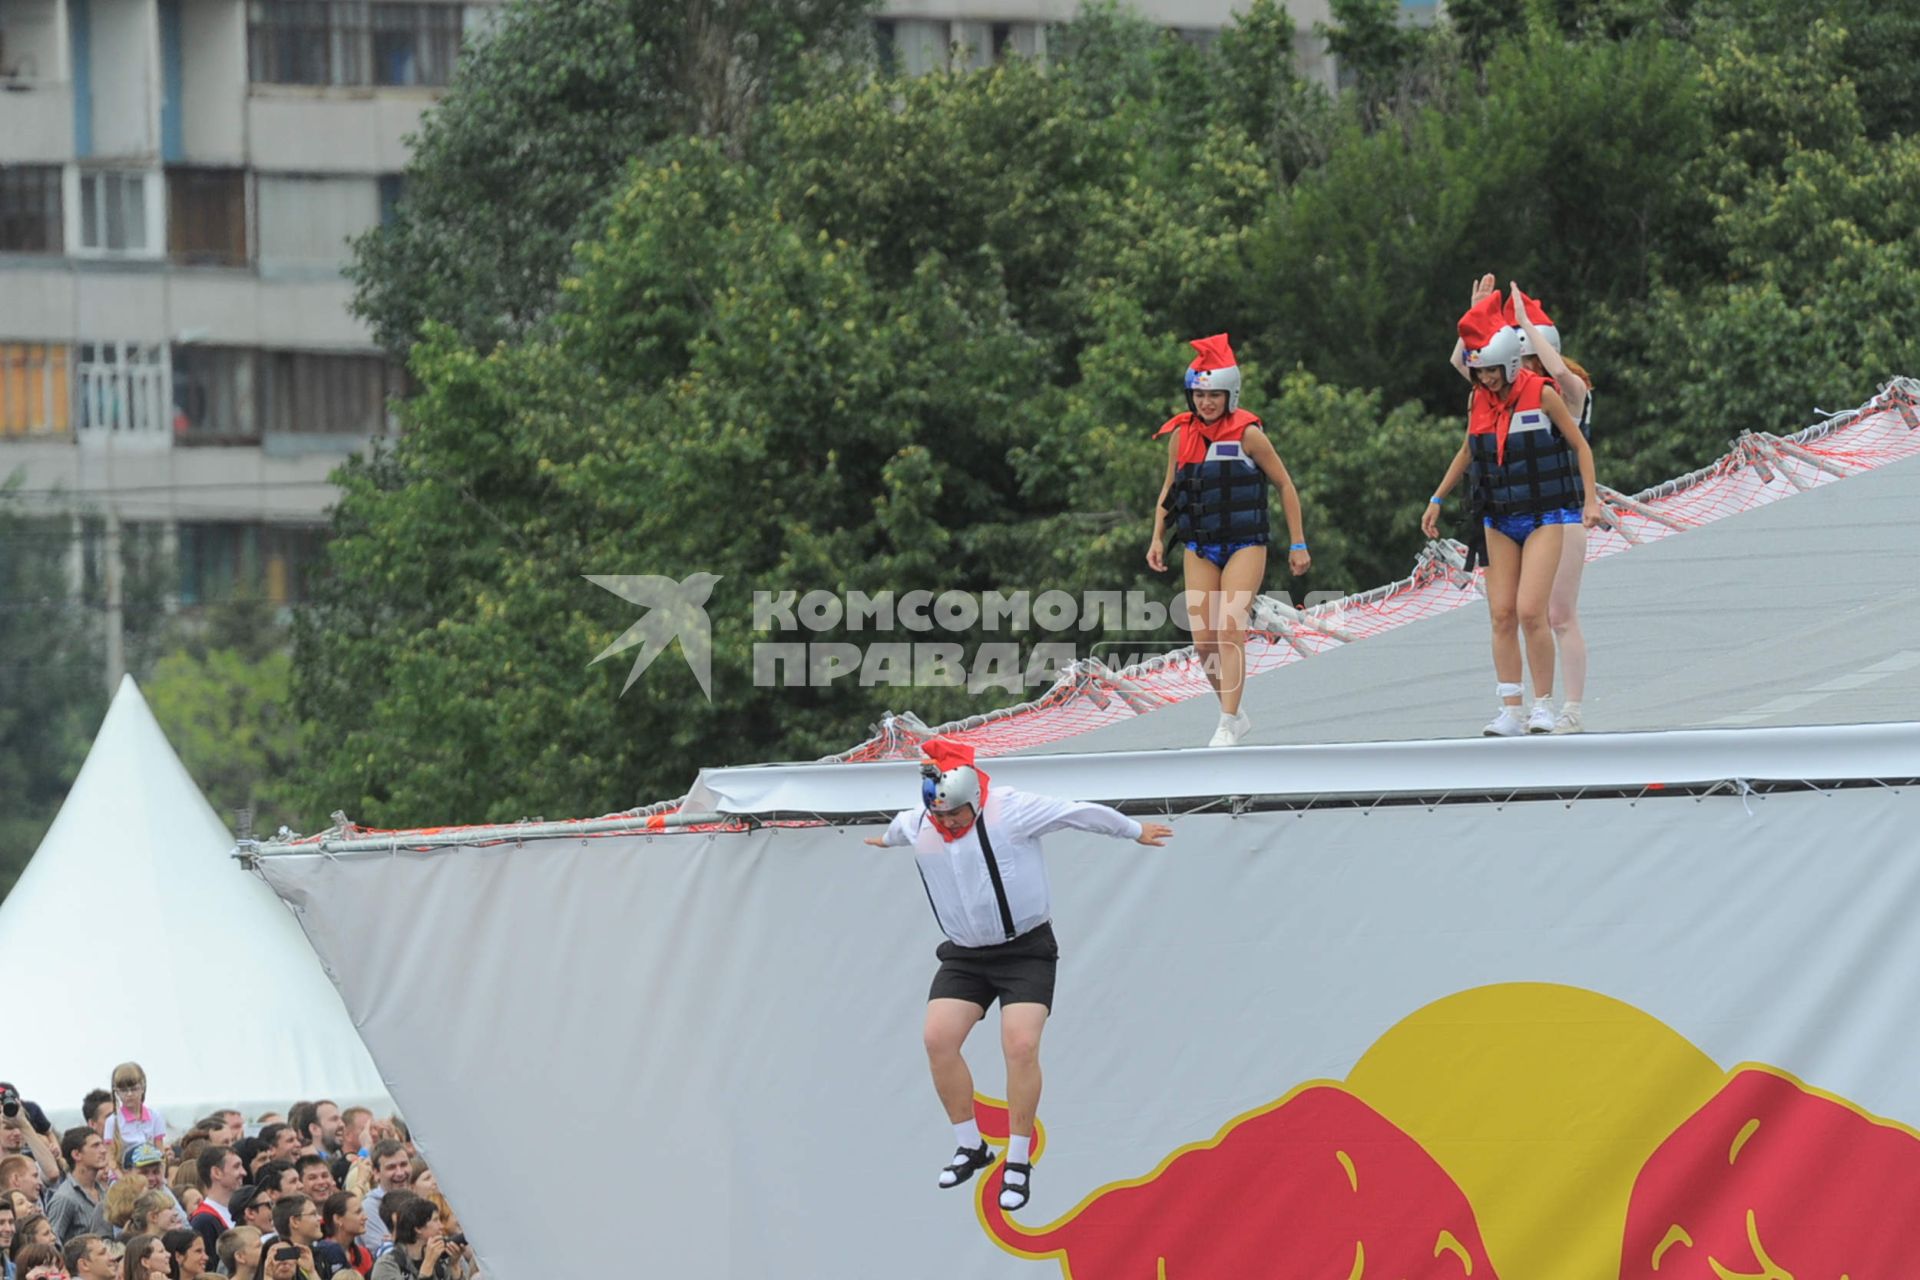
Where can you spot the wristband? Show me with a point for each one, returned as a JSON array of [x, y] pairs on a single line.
[[1298, 546], [1435, 499]]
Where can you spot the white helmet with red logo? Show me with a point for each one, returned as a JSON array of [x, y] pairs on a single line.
[[1214, 369]]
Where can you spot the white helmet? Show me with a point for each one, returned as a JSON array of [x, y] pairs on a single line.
[[1547, 331], [946, 792], [1214, 369], [1503, 350]]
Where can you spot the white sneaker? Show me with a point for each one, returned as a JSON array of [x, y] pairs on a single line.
[[1568, 721], [1507, 724], [1232, 729], [1540, 720]]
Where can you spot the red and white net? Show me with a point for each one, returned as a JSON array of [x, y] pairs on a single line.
[[1758, 470]]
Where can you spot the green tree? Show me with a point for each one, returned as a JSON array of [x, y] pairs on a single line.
[[544, 114], [51, 693], [228, 715], [1367, 260]]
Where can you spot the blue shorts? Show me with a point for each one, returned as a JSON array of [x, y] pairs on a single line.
[[1218, 553], [1518, 527]]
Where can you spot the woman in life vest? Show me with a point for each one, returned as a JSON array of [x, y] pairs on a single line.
[[1219, 465], [1540, 345], [1532, 477]]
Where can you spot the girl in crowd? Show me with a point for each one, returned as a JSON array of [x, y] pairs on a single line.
[[146, 1259], [132, 1121], [32, 1228], [1219, 465], [1532, 477], [343, 1221], [121, 1199], [187, 1254]]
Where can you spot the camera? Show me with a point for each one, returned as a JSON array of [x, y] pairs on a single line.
[[9, 1100], [457, 1239], [287, 1253]]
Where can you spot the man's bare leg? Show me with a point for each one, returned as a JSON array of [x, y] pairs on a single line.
[[948, 1022], [1020, 1028]]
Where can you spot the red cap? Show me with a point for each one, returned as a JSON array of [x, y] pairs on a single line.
[[947, 753], [1214, 353], [1482, 320]]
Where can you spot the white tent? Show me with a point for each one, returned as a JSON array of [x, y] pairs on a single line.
[[132, 936]]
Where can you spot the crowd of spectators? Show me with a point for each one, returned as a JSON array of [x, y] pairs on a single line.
[[315, 1193]]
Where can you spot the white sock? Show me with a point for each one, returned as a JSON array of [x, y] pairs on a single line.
[[1544, 700], [967, 1135], [1017, 1149], [1570, 706]]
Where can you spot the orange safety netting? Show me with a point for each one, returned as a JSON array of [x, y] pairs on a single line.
[[1759, 469]]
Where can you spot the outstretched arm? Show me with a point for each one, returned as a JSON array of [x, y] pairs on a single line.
[[1481, 288], [1573, 388], [899, 831], [1264, 456], [1037, 815]]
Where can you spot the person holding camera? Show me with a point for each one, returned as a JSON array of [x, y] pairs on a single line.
[[282, 1261], [978, 853], [25, 1131], [421, 1247]]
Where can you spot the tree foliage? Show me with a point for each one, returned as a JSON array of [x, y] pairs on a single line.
[[51, 692], [886, 335]]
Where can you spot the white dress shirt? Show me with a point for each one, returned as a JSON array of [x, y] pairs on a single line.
[[960, 885]]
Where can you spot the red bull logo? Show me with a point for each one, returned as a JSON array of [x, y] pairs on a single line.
[[1534, 1130], [1316, 1185]]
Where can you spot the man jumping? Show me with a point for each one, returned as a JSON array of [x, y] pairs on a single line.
[[979, 858]]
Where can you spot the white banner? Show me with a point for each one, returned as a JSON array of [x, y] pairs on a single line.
[[1537, 1040]]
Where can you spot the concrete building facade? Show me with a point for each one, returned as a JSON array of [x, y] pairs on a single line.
[[179, 183]]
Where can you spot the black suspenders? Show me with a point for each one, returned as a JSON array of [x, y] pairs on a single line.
[[993, 870]]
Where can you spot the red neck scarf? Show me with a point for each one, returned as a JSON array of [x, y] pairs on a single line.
[[1488, 416], [1196, 435]]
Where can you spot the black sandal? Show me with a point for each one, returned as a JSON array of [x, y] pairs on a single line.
[[1024, 1190], [965, 1163]]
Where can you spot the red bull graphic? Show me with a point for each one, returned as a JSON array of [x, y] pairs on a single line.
[[1525, 1129], [1773, 1179], [1316, 1185]]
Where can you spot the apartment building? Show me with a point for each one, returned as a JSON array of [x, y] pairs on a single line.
[[179, 180], [917, 36]]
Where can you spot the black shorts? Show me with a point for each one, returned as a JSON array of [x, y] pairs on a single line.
[[1016, 972]]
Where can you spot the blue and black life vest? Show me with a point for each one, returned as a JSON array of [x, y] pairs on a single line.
[[1522, 466], [1219, 495]]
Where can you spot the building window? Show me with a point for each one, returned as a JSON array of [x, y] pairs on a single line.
[[312, 394], [119, 212], [289, 557], [215, 396], [220, 561], [34, 390], [305, 224], [122, 391], [393, 189], [207, 217], [30, 209], [352, 42]]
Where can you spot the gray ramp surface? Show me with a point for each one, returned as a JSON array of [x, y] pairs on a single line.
[[1805, 611]]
